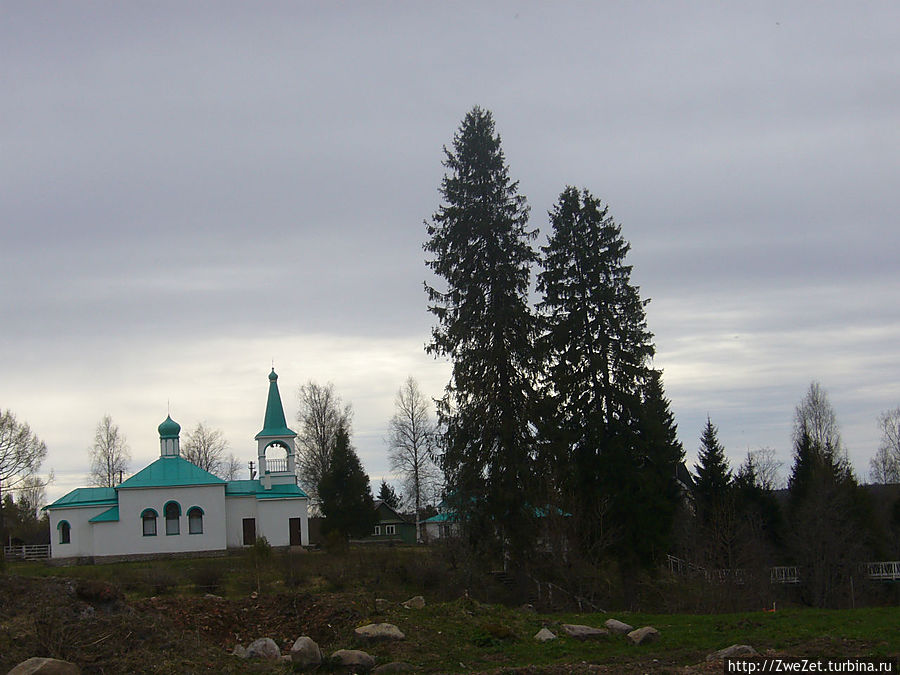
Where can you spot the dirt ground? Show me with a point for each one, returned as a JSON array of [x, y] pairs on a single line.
[[90, 623]]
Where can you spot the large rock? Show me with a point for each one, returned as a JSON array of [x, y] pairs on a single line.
[[617, 626], [643, 636], [417, 602], [544, 635], [581, 632], [732, 652], [264, 648], [353, 659], [43, 666], [379, 631], [305, 653], [240, 651]]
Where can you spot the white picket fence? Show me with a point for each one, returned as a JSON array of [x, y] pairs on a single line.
[[34, 552]]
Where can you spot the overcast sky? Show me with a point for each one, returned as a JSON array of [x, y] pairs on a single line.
[[189, 191]]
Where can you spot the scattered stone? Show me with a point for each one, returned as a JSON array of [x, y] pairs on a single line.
[[617, 626], [643, 636], [581, 632], [44, 666], [394, 667], [417, 602], [544, 635], [379, 631], [353, 658], [382, 604], [239, 651], [212, 596], [732, 651], [306, 653], [528, 607], [264, 648]]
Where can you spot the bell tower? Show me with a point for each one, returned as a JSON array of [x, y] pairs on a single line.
[[275, 435]]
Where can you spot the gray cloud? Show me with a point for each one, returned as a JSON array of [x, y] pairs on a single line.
[[209, 184]]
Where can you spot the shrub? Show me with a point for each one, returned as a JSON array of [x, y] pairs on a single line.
[[160, 580], [294, 572], [94, 590], [207, 577]]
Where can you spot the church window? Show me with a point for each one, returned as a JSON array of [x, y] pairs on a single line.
[[173, 515], [195, 520], [148, 521], [65, 532]]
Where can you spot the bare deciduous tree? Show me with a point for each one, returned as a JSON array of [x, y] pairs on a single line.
[[33, 493], [885, 465], [109, 454], [21, 455], [767, 468], [814, 417], [411, 446], [205, 447], [231, 468], [320, 416]]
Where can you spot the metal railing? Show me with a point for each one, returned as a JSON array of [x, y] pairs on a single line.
[[883, 571], [33, 552], [789, 574], [274, 465]]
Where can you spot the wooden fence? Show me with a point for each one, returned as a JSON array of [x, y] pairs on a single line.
[[34, 552]]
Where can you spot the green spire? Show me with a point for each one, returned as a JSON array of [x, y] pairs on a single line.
[[274, 424]]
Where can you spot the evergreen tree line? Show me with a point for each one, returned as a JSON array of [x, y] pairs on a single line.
[[825, 523], [555, 427], [554, 417]]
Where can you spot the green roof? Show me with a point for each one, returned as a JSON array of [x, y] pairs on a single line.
[[171, 472], [253, 488], [91, 496], [442, 518], [108, 516], [169, 428], [274, 423]]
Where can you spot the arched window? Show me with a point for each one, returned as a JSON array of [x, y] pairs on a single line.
[[65, 532], [148, 522], [195, 520], [173, 514]]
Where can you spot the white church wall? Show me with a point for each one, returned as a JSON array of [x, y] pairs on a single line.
[[126, 537], [236, 509], [274, 520], [81, 542]]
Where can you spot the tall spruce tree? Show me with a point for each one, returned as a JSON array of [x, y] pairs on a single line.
[[596, 350], [829, 517], [650, 508], [345, 492], [715, 507], [713, 479], [479, 245]]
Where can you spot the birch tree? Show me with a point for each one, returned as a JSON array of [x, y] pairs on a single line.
[[110, 454], [411, 446]]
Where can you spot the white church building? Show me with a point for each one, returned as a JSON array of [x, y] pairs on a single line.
[[174, 507]]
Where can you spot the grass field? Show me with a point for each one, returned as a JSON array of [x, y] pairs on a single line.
[[160, 619]]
